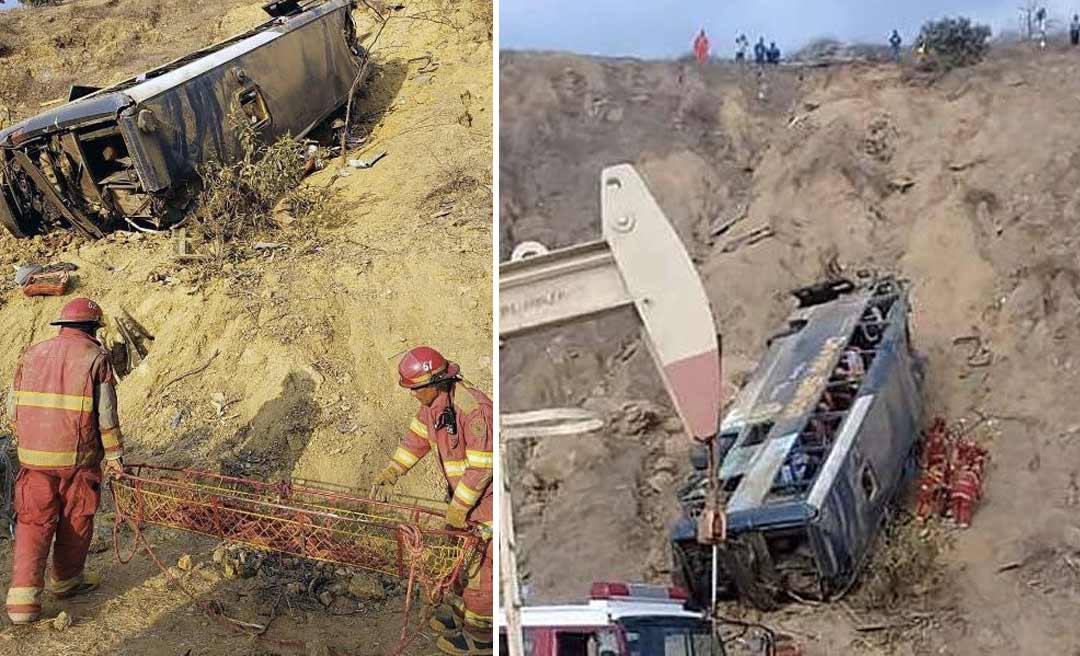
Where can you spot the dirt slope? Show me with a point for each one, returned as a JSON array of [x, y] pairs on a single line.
[[294, 350], [967, 186]]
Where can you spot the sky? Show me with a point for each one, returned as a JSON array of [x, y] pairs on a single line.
[[665, 29]]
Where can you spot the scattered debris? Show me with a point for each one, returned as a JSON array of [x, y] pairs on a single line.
[[49, 280], [901, 184], [62, 621], [748, 239], [47, 284], [1016, 564], [720, 225], [182, 247], [367, 162], [979, 355], [184, 563], [133, 346]]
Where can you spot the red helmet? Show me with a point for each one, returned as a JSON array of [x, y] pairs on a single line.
[[79, 310], [423, 366]]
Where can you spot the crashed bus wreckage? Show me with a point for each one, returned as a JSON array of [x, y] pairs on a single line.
[[813, 452], [124, 156]]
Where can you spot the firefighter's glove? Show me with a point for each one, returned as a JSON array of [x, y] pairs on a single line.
[[380, 490], [114, 467], [455, 516]]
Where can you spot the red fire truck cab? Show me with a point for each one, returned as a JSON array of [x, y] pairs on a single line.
[[620, 619]]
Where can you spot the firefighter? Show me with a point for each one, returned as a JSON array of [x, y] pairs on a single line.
[[63, 406], [455, 420], [701, 47]]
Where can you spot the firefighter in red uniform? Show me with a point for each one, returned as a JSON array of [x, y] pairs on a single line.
[[701, 47], [455, 419], [63, 405]]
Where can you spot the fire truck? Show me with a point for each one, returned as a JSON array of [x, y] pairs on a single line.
[[619, 619]]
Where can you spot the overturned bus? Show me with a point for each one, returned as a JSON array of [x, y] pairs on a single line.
[[813, 453], [123, 156]]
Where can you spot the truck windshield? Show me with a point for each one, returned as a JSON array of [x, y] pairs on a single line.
[[671, 636]]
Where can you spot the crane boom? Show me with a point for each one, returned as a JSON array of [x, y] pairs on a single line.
[[639, 263]]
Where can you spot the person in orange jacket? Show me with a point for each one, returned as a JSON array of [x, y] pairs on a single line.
[[454, 420], [63, 406], [701, 47]]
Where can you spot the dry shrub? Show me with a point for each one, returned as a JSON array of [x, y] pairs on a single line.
[[904, 565], [464, 187], [237, 199], [483, 12], [952, 43]]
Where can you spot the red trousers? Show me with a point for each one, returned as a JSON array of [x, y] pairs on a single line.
[[473, 600], [56, 503]]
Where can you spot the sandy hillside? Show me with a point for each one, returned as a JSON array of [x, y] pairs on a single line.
[[967, 186], [283, 362]]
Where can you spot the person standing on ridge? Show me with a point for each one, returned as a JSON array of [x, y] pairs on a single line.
[[895, 42], [773, 54], [760, 51], [742, 44], [701, 47]]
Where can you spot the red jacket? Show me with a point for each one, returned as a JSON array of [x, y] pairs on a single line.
[[63, 402], [466, 457]]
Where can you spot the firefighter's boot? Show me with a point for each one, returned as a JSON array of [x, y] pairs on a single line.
[[86, 582], [463, 644], [445, 620]]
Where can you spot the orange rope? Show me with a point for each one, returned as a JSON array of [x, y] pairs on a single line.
[[211, 609]]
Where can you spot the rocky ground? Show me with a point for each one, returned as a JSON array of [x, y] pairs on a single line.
[[966, 185]]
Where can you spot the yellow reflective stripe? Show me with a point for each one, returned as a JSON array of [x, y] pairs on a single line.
[[23, 596], [54, 401], [477, 618], [466, 494], [47, 458], [405, 457], [398, 467], [481, 459], [110, 439], [418, 427], [455, 467]]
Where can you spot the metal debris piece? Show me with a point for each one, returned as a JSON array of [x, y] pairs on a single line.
[[719, 227], [268, 245], [748, 239], [901, 184], [367, 162], [979, 355], [182, 247], [57, 283]]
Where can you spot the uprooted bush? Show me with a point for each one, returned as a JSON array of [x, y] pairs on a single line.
[[238, 200], [951, 43]]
